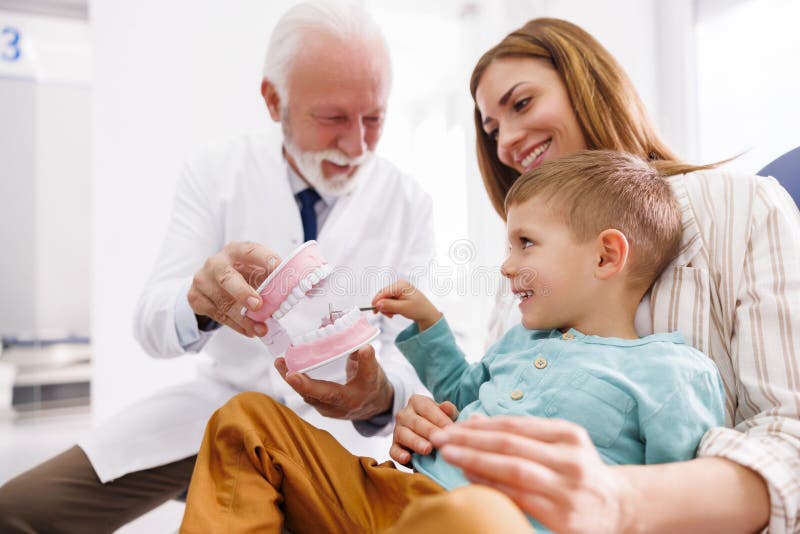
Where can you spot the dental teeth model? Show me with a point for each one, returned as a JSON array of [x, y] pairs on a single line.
[[322, 352]]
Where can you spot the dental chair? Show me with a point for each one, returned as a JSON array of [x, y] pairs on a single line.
[[786, 169]]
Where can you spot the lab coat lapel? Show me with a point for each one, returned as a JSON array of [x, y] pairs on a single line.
[[342, 231], [277, 221]]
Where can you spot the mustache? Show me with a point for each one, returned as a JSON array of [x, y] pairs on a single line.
[[340, 158]]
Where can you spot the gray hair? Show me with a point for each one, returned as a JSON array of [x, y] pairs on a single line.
[[340, 19]]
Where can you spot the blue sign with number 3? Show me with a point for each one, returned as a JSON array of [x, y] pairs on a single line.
[[10, 44]]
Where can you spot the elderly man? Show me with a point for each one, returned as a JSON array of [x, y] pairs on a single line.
[[239, 208]]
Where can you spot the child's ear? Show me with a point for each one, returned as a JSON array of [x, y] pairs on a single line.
[[271, 99], [612, 254]]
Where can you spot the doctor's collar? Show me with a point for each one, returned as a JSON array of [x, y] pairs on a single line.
[[297, 183]]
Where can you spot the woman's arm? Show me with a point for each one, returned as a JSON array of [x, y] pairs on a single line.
[[762, 290], [701, 495], [553, 472]]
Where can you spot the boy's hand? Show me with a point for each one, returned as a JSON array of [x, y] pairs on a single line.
[[415, 424], [404, 299]]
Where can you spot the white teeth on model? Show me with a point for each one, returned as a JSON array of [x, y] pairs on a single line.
[[302, 289], [535, 154], [340, 324], [304, 285]]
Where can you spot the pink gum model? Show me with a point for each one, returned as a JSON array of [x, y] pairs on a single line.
[[308, 356], [281, 282], [321, 352]]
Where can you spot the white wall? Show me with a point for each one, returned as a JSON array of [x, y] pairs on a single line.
[[44, 102], [748, 80], [17, 188], [170, 75], [63, 209]]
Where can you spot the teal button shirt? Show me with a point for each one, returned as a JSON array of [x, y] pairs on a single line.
[[642, 401]]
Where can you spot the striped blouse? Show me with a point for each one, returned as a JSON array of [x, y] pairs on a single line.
[[734, 293]]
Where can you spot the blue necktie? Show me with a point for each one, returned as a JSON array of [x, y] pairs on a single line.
[[308, 198]]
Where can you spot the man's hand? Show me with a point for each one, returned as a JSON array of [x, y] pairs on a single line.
[[404, 299], [366, 394], [415, 423], [226, 283]]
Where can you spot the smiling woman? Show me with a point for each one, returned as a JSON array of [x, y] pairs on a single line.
[[732, 290], [551, 82], [586, 101], [532, 121]]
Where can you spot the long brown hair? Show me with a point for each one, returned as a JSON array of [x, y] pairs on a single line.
[[608, 109]]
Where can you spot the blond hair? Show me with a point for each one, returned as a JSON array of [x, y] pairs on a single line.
[[595, 190], [608, 109]]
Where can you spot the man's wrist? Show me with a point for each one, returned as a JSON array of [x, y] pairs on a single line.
[[388, 401], [206, 324], [384, 409]]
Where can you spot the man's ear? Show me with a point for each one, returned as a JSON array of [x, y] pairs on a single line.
[[271, 99], [612, 254]]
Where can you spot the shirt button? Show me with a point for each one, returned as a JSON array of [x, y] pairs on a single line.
[[540, 363], [567, 336], [517, 394]]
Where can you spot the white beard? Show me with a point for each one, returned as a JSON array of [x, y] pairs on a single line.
[[309, 165]]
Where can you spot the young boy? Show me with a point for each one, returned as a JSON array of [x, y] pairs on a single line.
[[588, 235]]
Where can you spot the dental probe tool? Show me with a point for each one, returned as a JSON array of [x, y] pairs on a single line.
[[332, 312]]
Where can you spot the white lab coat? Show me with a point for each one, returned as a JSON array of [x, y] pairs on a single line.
[[240, 191]]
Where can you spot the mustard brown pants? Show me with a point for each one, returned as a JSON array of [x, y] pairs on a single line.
[[262, 469]]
